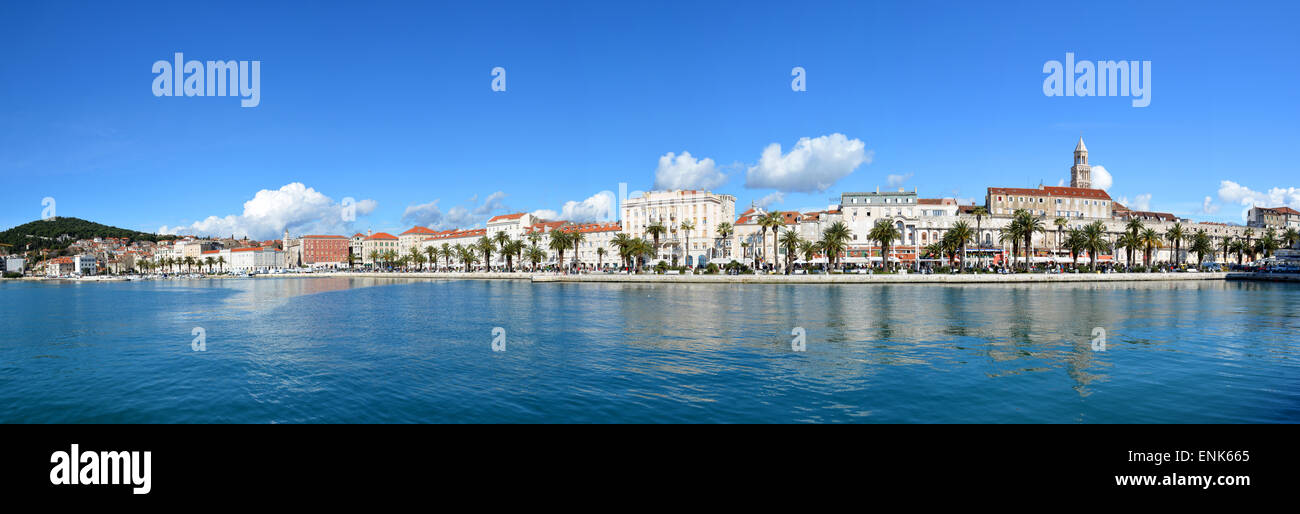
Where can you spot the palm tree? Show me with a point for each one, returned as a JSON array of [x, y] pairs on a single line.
[[559, 242], [1201, 245], [210, 262], [687, 226], [774, 221], [724, 232], [1060, 227], [1130, 242], [417, 256], [535, 255], [502, 240], [575, 239], [221, 263], [808, 250], [790, 242], [1269, 243], [430, 255], [1150, 241], [511, 250], [656, 230], [468, 255], [622, 242], [835, 240], [1095, 240], [961, 234], [1239, 247], [448, 253], [1175, 235], [1290, 237], [534, 237], [640, 248], [1029, 225], [486, 246], [1226, 246], [374, 258], [458, 252], [600, 257], [885, 233], [980, 212], [1076, 242]]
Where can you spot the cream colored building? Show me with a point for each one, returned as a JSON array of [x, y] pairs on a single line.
[[703, 209]]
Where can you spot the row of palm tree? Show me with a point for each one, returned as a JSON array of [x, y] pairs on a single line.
[[187, 263]]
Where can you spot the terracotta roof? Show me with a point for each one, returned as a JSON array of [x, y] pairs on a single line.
[[381, 235], [1076, 192], [323, 237], [593, 227], [1163, 216], [418, 230], [1280, 210], [503, 217]]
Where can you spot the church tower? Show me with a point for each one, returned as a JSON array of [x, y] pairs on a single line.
[[1081, 172]]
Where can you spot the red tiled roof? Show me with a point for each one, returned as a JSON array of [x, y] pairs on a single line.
[[1280, 210], [502, 217], [324, 237], [1076, 192], [248, 249], [593, 227], [381, 235], [418, 230]]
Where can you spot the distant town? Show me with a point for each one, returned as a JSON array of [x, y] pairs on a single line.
[[1027, 229]]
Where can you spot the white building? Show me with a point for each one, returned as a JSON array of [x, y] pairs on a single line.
[[83, 264], [703, 211], [513, 225], [596, 236]]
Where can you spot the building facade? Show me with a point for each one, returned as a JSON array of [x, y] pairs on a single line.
[[681, 212]]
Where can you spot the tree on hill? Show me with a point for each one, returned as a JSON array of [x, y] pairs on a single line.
[[58, 232]]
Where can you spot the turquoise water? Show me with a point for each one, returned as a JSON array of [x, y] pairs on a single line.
[[300, 350]]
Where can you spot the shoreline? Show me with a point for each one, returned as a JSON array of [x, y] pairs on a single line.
[[793, 279], [1020, 278]]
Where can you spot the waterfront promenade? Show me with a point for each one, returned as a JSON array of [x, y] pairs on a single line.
[[797, 279]]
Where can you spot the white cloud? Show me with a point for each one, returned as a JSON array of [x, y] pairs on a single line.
[[491, 204], [897, 180], [686, 172], [426, 214], [1141, 202], [814, 164], [1234, 193], [1060, 183], [430, 214], [773, 198], [598, 207], [1101, 178], [1208, 206], [296, 207]]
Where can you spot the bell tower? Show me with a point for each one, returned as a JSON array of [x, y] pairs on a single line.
[[1081, 172]]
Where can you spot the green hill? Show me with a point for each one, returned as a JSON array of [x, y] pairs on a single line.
[[57, 233]]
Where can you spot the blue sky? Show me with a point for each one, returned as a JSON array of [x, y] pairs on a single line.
[[391, 105]]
